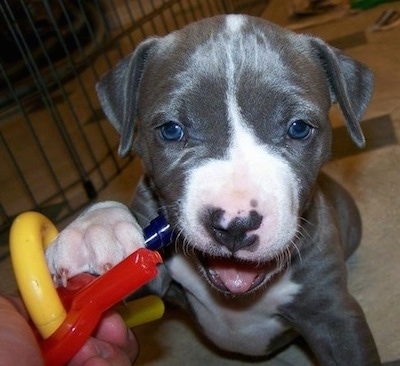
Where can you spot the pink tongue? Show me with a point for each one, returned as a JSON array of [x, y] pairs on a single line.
[[236, 277]]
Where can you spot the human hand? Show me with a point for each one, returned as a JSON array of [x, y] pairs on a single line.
[[111, 344]]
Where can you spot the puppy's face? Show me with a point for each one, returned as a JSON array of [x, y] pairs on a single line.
[[231, 133], [232, 128]]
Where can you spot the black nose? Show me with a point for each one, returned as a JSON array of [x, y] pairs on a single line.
[[235, 235]]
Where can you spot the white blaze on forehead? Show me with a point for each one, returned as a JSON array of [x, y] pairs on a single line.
[[234, 22], [229, 52]]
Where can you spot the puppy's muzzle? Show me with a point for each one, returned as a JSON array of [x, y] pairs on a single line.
[[233, 233]]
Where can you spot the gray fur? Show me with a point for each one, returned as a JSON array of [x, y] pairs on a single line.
[[275, 75]]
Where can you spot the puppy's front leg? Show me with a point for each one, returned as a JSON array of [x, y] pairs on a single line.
[[336, 330], [98, 239]]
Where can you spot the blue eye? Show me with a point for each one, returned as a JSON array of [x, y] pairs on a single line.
[[299, 130], [171, 131]]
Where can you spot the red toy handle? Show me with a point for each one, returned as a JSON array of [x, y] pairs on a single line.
[[89, 303]]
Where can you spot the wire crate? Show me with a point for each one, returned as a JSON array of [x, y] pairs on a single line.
[[57, 151]]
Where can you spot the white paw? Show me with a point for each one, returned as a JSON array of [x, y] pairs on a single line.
[[99, 238]]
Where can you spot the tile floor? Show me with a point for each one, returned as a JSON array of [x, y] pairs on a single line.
[[372, 177]]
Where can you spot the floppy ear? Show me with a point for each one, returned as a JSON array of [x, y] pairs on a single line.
[[117, 92], [351, 85]]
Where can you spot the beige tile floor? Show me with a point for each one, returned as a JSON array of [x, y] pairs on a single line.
[[372, 177]]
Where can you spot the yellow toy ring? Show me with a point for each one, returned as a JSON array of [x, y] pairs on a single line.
[[30, 234]]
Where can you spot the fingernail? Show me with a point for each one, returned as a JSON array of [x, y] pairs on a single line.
[[104, 351]]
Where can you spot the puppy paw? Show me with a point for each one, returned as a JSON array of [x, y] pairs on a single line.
[[99, 238]]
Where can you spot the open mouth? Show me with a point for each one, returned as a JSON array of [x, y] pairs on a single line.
[[232, 276]]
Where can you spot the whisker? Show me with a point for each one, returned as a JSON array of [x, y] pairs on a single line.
[[296, 248]]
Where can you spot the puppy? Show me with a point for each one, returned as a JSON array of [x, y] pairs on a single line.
[[230, 118]]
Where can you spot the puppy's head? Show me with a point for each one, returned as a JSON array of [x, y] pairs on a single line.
[[230, 117]]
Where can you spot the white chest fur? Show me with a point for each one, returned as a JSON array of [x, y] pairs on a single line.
[[246, 324]]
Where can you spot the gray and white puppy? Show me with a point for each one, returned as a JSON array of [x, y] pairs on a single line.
[[230, 118]]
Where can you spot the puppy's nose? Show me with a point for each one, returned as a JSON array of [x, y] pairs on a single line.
[[234, 235]]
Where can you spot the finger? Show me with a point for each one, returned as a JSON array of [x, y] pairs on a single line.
[[98, 353], [112, 329], [112, 343], [18, 343]]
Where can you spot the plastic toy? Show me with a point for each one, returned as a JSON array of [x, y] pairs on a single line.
[[66, 317]]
